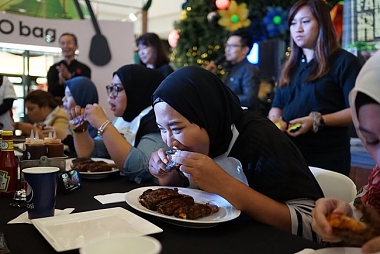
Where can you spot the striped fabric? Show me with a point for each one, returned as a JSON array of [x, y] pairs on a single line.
[[300, 212]]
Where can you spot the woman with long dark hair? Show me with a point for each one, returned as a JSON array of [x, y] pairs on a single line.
[[311, 101], [152, 53]]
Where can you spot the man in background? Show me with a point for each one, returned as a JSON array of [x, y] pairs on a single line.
[[242, 77], [66, 69]]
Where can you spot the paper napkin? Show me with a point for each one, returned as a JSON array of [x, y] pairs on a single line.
[[23, 218], [111, 198]]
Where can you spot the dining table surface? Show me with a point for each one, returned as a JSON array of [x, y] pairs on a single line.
[[240, 235]]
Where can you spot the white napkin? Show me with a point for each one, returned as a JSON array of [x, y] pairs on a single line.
[[111, 198], [23, 218], [305, 251]]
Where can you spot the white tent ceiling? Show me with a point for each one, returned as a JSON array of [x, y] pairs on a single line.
[[161, 14]]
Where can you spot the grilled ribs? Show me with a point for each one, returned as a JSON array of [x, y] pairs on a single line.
[[195, 211], [169, 206], [89, 165], [169, 202], [150, 198]]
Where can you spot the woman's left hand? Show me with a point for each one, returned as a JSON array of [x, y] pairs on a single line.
[[306, 126], [95, 115]]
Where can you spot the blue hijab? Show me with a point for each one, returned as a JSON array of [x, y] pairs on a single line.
[[84, 92]]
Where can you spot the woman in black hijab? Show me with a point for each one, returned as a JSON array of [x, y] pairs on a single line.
[[202, 118], [129, 97]]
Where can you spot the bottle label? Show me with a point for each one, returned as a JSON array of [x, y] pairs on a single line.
[[7, 145], [4, 180]]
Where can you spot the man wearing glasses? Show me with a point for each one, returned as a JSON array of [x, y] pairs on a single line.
[[242, 77]]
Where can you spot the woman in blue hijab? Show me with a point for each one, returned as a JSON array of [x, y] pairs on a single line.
[[80, 91]]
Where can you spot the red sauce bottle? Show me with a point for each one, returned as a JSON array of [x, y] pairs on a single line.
[[8, 165]]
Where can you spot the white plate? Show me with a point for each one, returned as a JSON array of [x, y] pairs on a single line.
[[123, 244], [72, 231], [339, 250], [226, 211], [93, 175]]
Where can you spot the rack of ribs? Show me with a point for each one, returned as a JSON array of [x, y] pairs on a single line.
[[169, 202]]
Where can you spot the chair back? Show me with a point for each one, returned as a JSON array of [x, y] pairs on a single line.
[[335, 185]]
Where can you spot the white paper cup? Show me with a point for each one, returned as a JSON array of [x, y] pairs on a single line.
[[122, 244]]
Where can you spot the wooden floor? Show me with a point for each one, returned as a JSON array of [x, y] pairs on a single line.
[[360, 176]]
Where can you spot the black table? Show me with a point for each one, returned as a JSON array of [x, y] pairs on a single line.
[[241, 235]]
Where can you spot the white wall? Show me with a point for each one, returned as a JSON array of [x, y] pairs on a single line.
[[13, 29]]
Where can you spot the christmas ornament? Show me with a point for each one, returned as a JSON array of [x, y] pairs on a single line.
[[275, 21], [235, 17], [173, 38], [211, 16], [222, 4]]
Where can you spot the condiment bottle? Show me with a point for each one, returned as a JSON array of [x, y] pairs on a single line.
[[8, 165], [36, 148], [25, 149], [54, 148]]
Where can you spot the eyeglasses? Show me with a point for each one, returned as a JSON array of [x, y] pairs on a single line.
[[232, 45], [115, 89]]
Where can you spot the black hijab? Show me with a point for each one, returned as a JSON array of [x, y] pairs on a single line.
[[205, 100], [139, 84]]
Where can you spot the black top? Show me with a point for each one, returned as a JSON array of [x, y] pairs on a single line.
[[243, 79], [76, 68], [326, 95], [272, 163], [165, 69]]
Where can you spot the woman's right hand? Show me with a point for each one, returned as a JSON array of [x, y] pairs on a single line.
[[157, 163], [75, 112], [157, 167], [95, 115], [324, 207]]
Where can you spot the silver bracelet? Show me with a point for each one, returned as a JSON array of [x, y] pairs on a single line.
[[102, 127]]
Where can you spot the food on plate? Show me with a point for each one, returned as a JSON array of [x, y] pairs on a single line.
[[78, 124], [172, 165], [150, 198], [195, 211], [353, 232], [89, 165], [169, 202]]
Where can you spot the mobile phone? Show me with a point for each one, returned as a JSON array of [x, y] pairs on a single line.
[[69, 181], [295, 127]]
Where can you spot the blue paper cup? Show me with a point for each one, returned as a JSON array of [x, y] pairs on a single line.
[[41, 190]]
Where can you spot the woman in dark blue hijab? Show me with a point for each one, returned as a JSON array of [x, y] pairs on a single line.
[[80, 91]]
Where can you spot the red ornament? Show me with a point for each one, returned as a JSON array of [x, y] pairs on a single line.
[[173, 38], [222, 4]]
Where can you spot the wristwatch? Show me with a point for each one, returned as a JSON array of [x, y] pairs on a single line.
[[318, 122]]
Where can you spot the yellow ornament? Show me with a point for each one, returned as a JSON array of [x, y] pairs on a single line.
[[235, 17], [183, 15]]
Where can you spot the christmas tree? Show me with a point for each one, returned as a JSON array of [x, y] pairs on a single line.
[[202, 34]]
